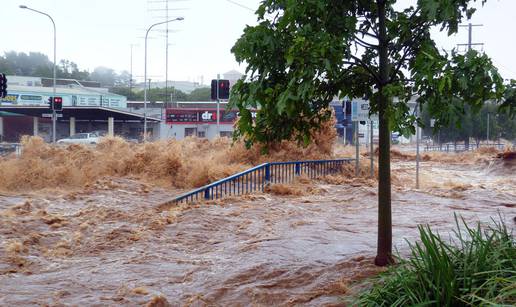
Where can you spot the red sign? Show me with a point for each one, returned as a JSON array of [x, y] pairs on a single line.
[[200, 116]]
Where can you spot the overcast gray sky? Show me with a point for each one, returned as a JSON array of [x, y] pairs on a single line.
[[99, 33]]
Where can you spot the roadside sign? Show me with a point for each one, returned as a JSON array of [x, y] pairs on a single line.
[[360, 111], [49, 115]]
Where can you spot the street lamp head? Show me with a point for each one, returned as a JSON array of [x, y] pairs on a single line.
[[180, 18], [23, 6]]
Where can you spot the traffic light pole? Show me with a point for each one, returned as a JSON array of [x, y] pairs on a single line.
[[54, 120], [218, 106], [371, 153]]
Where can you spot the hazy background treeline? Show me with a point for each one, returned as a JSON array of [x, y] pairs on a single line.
[[37, 64]]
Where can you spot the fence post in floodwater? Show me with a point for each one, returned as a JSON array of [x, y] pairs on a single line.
[[18, 150], [298, 168], [267, 173], [207, 194]]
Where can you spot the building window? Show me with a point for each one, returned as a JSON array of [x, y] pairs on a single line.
[[190, 131], [201, 134]]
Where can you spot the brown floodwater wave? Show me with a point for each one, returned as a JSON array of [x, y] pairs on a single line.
[[180, 164], [114, 243]]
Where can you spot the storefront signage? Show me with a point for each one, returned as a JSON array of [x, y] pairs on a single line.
[[199, 116], [9, 99]]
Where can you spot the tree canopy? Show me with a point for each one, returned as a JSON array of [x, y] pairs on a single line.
[[36, 64], [303, 53]]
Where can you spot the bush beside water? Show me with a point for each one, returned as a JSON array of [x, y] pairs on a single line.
[[478, 268]]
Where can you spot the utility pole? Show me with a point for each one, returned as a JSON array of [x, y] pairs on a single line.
[[470, 43], [166, 10], [166, 54], [469, 46]]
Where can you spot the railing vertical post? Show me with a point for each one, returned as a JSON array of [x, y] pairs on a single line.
[[207, 194], [267, 173], [298, 168]]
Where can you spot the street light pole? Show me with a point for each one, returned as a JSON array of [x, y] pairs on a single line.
[[145, 76], [54, 117]]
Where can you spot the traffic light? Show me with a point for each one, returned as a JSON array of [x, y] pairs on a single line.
[[58, 104], [223, 89], [3, 86], [55, 103]]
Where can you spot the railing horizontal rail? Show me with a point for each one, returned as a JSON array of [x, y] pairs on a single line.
[[256, 178], [461, 147]]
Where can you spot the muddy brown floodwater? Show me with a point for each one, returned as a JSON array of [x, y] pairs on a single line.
[[115, 244]]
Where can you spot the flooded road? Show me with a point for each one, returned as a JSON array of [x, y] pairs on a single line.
[[115, 244]]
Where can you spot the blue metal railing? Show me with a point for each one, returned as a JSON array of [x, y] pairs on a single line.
[[447, 147], [256, 178]]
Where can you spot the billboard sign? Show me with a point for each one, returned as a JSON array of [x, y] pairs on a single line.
[[360, 111], [200, 116]]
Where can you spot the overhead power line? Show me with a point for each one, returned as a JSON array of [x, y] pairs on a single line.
[[241, 5]]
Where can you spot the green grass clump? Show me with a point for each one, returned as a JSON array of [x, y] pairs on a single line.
[[476, 269]]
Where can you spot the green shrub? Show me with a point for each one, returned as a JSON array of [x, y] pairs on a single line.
[[478, 268]]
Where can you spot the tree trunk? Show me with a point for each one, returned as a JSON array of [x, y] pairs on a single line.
[[384, 252]]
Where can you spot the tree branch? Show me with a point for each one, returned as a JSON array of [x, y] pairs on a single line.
[[366, 67], [365, 44], [407, 46], [365, 33]]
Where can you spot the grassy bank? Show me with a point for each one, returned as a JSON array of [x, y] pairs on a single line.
[[477, 268]]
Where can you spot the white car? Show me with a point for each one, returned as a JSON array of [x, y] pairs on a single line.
[[81, 138]]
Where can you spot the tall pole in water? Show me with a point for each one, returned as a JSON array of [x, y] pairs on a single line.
[[417, 147], [54, 114], [145, 76], [357, 149], [371, 153]]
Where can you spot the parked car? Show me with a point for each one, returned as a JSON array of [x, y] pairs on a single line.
[[81, 138], [100, 133]]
